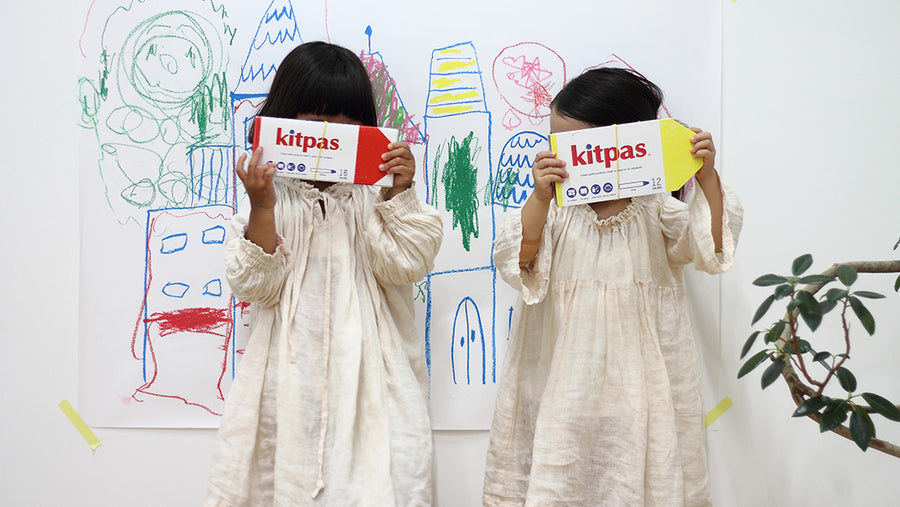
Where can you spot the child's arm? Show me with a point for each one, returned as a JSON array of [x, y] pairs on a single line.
[[257, 180], [708, 179], [547, 170], [399, 161], [406, 235]]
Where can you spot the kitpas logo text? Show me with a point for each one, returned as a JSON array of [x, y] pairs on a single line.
[[606, 156], [290, 138]]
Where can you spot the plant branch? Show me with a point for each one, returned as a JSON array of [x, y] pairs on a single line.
[[800, 391]]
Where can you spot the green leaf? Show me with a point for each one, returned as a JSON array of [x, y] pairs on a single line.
[[783, 291], [847, 379], [809, 406], [826, 306], [775, 332], [763, 308], [835, 294], [862, 313], [772, 372], [801, 264], [804, 346], [834, 415], [749, 343], [846, 274], [815, 279], [861, 428], [753, 362], [821, 356], [882, 406], [897, 285], [770, 279], [868, 294], [809, 309]]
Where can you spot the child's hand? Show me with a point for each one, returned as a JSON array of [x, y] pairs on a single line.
[[547, 170], [704, 149], [399, 161], [257, 180]]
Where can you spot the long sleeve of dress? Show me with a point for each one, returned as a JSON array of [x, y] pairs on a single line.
[[687, 228], [531, 280], [404, 237], [253, 275]]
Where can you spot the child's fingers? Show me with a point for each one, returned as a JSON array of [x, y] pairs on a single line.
[[392, 165], [255, 156], [239, 169], [397, 150], [551, 174], [548, 162], [398, 145], [543, 155]]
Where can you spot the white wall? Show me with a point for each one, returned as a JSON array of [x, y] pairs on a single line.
[[810, 121], [810, 115]]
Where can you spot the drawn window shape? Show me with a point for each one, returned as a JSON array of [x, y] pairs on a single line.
[[173, 243], [175, 289], [214, 235], [213, 288], [467, 331]]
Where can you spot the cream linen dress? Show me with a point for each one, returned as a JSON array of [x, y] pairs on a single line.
[[600, 400], [329, 403]]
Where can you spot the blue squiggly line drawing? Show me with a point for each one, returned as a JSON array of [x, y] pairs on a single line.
[[271, 32], [512, 179], [173, 243]]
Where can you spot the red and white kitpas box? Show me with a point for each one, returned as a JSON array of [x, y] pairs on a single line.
[[324, 151]]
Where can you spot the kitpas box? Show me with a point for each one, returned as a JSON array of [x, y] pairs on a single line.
[[324, 151], [626, 160]]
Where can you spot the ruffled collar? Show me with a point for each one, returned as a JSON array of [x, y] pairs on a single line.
[[620, 219], [336, 191]]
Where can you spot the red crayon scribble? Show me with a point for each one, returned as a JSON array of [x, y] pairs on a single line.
[[144, 389], [525, 74], [254, 103], [84, 28], [197, 320]]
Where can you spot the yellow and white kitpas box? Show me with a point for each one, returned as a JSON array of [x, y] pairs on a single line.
[[324, 151], [626, 160]]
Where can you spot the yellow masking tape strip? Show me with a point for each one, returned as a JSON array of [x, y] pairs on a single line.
[[717, 411], [618, 194], [319, 155], [556, 186], [79, 424]]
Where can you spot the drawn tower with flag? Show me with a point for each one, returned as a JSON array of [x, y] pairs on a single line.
[[460, 332]]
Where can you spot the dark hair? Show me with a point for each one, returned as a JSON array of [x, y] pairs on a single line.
[[608, 95], [323, 79]]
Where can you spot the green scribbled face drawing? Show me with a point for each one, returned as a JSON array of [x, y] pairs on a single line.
[[167, 58]]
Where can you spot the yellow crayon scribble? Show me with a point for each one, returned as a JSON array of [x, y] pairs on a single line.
[[454, 65], [448, 51], [453, 97], [451, 109], [444, 82]]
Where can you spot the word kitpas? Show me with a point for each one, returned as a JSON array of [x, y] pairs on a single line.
[[324, 151], [626, 160]]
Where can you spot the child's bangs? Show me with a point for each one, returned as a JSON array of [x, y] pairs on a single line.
[[340, 94]]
